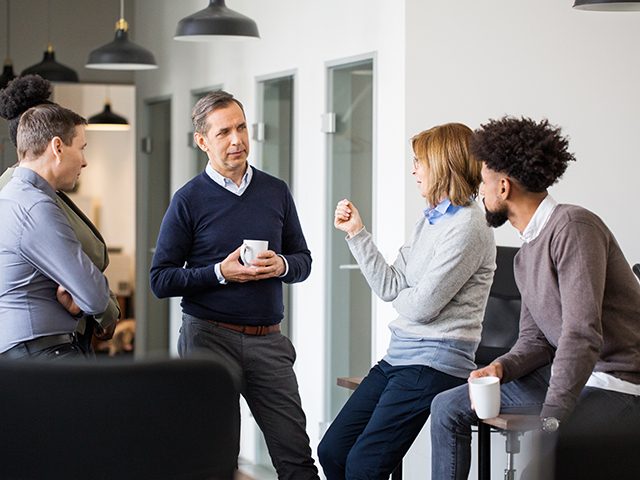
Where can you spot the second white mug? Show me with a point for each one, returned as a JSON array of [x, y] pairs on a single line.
[[250, 250], [485, 396]]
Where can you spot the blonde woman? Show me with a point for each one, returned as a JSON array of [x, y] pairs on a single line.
[[439, 284]]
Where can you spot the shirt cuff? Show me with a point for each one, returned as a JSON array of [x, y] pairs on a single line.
[[286, 266], [219, 276]]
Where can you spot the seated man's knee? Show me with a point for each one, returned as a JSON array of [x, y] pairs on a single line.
[[448, 405]]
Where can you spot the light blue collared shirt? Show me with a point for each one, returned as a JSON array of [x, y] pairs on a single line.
[[230, 185], [440, 211], [38, 252]]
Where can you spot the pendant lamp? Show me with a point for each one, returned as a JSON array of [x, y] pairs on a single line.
[[48, 68], [607, 5], [121, 54], [215, 21], [107, 119], [7, 70]]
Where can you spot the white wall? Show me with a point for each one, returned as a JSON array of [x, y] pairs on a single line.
[[472, 61], [300, 36]]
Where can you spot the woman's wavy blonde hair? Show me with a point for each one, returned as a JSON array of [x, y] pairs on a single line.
[[452, 172]]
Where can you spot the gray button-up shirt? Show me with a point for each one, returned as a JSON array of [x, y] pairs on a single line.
[[38, 252]]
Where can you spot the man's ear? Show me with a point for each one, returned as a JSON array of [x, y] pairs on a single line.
[[200, 141], [505, 188], [56, 147]]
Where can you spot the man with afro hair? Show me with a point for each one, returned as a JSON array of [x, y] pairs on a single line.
[[576, 362]]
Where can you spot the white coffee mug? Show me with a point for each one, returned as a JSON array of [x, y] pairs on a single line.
[[485, 396], [250, 250]]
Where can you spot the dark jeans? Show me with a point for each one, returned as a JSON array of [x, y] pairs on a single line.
[[262, 368], [452, 418], [380, 421]]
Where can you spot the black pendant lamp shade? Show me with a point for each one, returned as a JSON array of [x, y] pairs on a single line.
[[607, 5], [107, 120], [7, 74], [51, 70], [214, 21], [7, 70], [121, 54]]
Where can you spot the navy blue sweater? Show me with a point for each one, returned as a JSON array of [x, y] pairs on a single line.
[[204, 224]]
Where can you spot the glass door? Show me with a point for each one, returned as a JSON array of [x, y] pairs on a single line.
[[274, 136], [349, 128]]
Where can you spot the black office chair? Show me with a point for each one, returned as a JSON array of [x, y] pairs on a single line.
[[166, 419], [500, 329], [636, 270], [500, 326]]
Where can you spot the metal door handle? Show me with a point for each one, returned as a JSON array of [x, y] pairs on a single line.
[[349, 266]]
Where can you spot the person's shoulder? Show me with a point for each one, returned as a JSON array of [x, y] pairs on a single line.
[[265, 178], [566, 213], [193, 186]]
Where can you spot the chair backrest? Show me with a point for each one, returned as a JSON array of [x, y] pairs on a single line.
[[163, 419], [500, 326], [636, 270]]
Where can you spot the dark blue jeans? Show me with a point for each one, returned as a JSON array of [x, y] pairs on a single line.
[[452, 418], [380, 421]]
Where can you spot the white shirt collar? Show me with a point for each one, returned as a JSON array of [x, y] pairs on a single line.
[[227, 182], [539, 219]]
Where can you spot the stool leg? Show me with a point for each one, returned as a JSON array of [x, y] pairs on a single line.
[[512, 446], [484, 451]]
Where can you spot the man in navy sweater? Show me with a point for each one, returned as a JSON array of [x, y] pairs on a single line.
[[230, 309]]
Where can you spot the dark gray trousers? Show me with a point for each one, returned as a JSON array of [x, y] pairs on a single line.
[[262, 368]]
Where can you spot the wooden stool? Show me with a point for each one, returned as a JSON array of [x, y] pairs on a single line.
[[512, 426], [352, 383]]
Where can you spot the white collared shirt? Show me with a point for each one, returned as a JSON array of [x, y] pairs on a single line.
[[539, 219]]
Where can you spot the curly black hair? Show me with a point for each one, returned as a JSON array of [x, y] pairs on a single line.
[[20, 95], [535, 154]]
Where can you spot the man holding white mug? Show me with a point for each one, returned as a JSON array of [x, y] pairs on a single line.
[[233, 308]]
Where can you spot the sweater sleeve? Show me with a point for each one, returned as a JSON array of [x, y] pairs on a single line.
[[531, 350], [294, 245], [385, 280], [580, 250], [168, 277]]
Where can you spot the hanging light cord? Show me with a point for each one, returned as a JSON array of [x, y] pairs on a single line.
[[49, 23], [122, 24]]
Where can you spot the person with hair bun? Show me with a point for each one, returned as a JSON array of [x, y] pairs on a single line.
[[37, 127], [439, 285], [576, 362]]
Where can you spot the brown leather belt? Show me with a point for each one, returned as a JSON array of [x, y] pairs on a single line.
[[249, 329]]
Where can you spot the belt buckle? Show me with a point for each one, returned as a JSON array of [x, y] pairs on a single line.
[[261, 330]]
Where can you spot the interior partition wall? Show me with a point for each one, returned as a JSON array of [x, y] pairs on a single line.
[[348, 125], [153, 192]]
